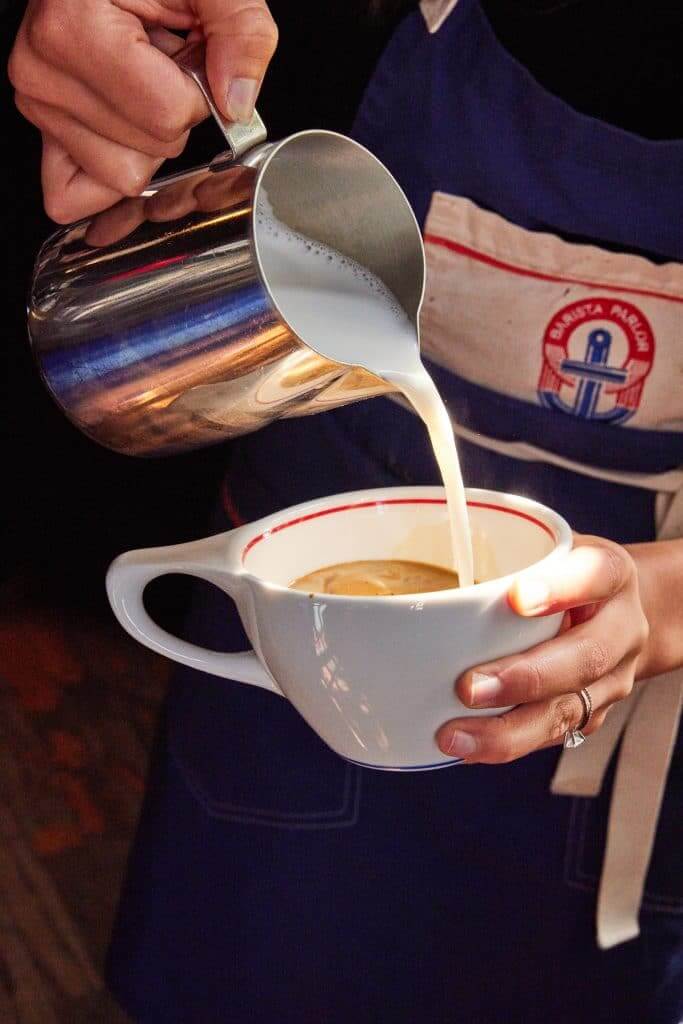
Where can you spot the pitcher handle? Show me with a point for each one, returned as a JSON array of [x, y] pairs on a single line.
[[239, 137], [130, 573]]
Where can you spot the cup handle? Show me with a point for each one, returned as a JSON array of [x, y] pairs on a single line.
[[239, 137], [130, 573]]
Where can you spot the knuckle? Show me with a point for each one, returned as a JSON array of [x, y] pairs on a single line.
[[166, 120], [176, 147], [47, 29], [23, 104], [594, 658], [642, 632], [255, 20], [57, 207], [134, 176], [500, 754], [563, 717], [154, 149], [625, 687], [29, 110], [619, 567], [532, 679], [498, 746], [17, 68]]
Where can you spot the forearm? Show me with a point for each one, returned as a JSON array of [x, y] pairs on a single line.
[[660, 575]]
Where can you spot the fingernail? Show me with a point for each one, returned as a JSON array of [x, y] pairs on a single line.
[[242, 99], [533, 595], [461, 744], [485, 689]]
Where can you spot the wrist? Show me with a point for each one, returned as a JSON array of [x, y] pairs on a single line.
[[659, 567]]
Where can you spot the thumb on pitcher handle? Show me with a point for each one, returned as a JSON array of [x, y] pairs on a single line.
[[129, 574], [239, 137]]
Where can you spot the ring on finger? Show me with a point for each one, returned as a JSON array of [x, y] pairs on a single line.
[[587, 702], [575, 737]]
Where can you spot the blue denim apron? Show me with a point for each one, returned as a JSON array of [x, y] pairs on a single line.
[[271, 881]]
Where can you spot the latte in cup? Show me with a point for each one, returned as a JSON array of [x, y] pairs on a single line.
[[372, 675], [377, 578]]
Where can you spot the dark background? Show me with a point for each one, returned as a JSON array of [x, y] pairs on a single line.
[[70, 506]]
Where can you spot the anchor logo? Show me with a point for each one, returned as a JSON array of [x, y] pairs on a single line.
[[597, 354]]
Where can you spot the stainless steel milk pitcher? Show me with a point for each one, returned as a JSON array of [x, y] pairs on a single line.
[[154, 324]]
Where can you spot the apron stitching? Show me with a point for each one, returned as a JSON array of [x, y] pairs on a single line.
[[571, 852], [587, 876], [663, 904], [573, 883], [265, 816]]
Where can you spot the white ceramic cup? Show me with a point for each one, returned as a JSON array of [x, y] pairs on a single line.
[[374, 676]]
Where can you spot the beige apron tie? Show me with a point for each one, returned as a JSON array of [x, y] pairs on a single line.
[[639, 786], [649, 720], [667, 484], [646, 723]]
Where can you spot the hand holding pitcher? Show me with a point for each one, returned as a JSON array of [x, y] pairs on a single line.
[[100, 142]]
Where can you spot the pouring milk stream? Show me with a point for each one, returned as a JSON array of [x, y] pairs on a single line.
[[364, 326]]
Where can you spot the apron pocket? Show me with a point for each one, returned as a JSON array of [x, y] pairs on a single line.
[[312, 795], [529, 315], [586, 843]]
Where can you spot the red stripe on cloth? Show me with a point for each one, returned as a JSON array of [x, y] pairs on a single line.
[[492, 261]]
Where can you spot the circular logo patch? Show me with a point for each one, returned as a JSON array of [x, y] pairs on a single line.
[[597, 354]]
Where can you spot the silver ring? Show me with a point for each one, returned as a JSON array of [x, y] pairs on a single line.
[[574, 737], [587, 701]]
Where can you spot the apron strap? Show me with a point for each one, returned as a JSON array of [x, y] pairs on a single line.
[[652, 722], [649, 720], [668, 483], [669, 511], [639, 786]]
